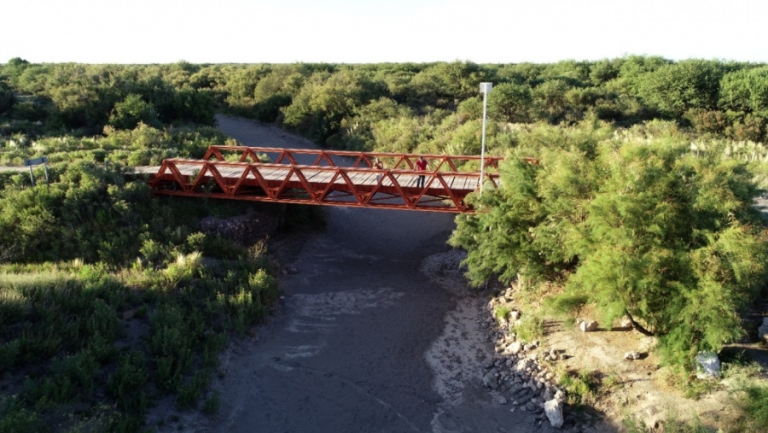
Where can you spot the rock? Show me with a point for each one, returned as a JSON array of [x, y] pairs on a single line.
[[501, 400], [554, 411], [762, 331], [514, 315], [707, 365], [625, 322], [514, 348], [490, 380], [128, 315], [588, 326], [560, 396], [647, 344], [632, 356], [548, 394]]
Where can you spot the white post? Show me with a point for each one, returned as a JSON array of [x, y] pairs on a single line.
[[484, 88]]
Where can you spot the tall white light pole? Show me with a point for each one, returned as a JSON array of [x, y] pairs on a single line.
[[485, 88]]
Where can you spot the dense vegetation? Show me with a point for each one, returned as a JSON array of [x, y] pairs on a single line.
[[642, 228], [641, 205]]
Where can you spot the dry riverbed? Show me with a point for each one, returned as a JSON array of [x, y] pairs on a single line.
[[378, 331]]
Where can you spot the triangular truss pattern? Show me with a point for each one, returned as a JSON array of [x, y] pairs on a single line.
[[335, 178]]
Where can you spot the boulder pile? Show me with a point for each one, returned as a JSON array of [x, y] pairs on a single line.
[[243, 229], [515, 374]]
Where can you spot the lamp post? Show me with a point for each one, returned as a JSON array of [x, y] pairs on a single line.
[[485, 88]]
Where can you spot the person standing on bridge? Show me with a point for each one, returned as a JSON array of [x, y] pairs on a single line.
[[421, 165], [377, 164]]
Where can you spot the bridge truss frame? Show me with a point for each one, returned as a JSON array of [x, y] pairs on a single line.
[[335, 178]]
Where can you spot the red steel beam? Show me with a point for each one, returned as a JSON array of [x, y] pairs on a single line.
[[332, 177], [321, 185]]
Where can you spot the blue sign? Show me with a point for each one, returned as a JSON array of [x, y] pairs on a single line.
[[36, 161]]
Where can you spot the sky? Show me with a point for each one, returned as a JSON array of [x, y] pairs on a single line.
[[376, 31]]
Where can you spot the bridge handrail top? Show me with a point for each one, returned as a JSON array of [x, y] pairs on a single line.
[[202, 162], [349, 152]]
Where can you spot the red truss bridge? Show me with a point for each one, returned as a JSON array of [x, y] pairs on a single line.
[[322, 177]]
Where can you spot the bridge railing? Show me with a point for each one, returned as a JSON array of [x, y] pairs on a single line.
[[335, 158], [315, 184]]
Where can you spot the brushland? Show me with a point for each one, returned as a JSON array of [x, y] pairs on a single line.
[[641, 206]]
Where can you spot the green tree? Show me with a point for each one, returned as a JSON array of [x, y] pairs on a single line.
[[675, 88], [7, 98], [132, 111], [648, 230], [510, 102], [745, 90]]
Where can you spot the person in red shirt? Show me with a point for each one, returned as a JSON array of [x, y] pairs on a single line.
[[421, 165]]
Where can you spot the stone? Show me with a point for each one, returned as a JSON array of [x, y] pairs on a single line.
[[560, 396], [625, 323], [242, 229], [554, 411], [707, 365], [647, 344], [514, 315], [514, 348], [588, 326], [490, 380], [632, 356]]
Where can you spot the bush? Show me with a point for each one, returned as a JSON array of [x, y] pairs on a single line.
[[753, 401], [643, 229]]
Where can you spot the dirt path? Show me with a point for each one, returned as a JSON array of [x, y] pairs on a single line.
[[376, 333]]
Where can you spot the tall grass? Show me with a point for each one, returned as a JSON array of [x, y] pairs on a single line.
[[66, 323]]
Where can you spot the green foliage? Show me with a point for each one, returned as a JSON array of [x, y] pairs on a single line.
[[212, 403], [753, 401], [530, 328], [618, 213], [510, 102], [20, 420], [745, 90], [581, 387], [133, 109], [501, 312], [645, 229], [675, 88]]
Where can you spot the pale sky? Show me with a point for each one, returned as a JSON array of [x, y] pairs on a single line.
[[373, 31]]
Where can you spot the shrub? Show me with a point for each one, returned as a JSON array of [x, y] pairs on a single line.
[[643, 229], [753, 401], [212, 403], [127, 383], [19, 420]]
